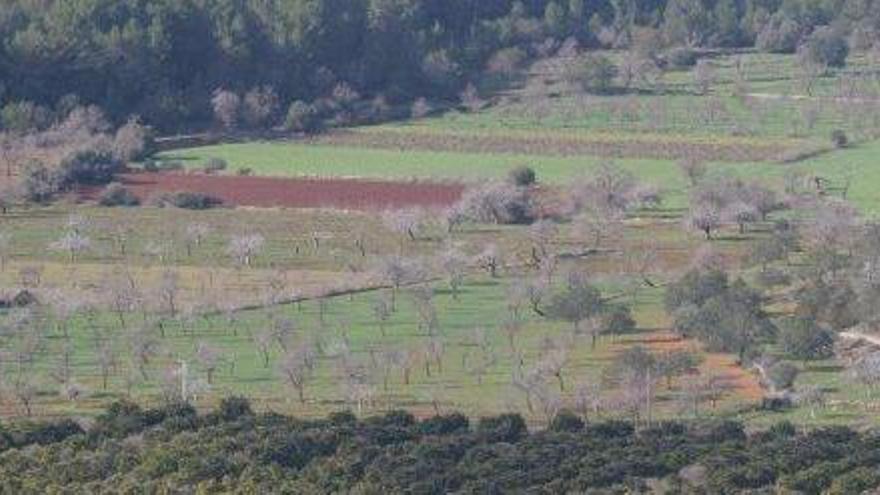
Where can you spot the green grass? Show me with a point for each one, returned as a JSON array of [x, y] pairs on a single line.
[[293, 160]]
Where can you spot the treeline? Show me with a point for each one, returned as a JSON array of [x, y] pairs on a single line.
[[165, 60], [173, 449]]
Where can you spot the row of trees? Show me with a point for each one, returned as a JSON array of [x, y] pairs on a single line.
[[233, 448]]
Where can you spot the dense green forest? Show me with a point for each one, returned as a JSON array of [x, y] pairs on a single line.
[[164, 59], [173, 450]]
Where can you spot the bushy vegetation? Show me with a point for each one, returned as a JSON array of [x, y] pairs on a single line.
[[187, 200], [246, 62], [234, 448], [116, 194]]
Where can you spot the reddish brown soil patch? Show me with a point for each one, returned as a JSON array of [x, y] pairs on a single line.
[[723, 366], [292, 193]]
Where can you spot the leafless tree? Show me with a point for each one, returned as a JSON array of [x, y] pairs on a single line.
[[382, 310], [399, 271], [130, 141], [420, 109], [244, 248], [227, 107], [143, 347], [167, 292], [809, 71], [489, 259], [158, 249], [480, 355], [259, 105], [692, 168], [553, 361], [122, 294], [704, 76], [194, 236], [704, 218], [453, 263], [73, 243], [588, 398], [598, 227], [404, 222], [423, 299], [812, 397], [263, 340], [741, 213], [209, 358], [470, 99], [5, 249], [434, 352], [831, 224], [106, 358]]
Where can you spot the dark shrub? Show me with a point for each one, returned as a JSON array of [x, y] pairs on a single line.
[[244, 172], [342, 418], [39, 184], [401, 419], [595, 74], [610, 429], [505, 428], [116, 194], [120, 420], [776, 404], [783, 375], [445, 425], [89, 167], [522, 176], [232, 408], [44, 433], [839, 139], [188, 200], [825, 47], [566, 421], [681, 58]]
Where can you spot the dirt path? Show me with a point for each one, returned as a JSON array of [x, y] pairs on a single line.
[[853, 335]]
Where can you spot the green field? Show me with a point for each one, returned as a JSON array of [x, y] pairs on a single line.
[[443, 147]]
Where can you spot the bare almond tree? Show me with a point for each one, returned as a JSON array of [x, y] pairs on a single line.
[[259, 105], [209, 358], [169, 287], [453, 263], [263, 340], [421, 108], [470, 99], [227, 107], [404, 222], [490, 259], [131, 141], [382, 310], [704, 76], [399, 271], [73, 243], [194, 236], [693, 168], [244, 248]]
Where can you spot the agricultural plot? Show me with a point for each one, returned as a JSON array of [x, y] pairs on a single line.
[[310, 290], [365, 361]]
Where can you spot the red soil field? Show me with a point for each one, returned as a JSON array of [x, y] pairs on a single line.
[[349, 194]]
